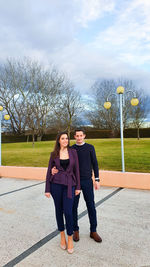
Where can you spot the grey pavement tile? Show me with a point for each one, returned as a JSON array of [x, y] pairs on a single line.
[[123, 222]]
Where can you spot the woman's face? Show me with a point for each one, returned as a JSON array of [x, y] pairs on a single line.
[[63, 140]]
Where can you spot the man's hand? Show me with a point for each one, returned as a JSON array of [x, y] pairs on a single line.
[[77, 192], [54, 171], [47, 195], [97, 185]]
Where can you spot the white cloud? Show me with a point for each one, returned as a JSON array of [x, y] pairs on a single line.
[[93, 9], [85, 65], [130, 32], [48, 31]]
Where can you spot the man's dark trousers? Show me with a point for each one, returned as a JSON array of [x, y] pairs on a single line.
[[88, 194]]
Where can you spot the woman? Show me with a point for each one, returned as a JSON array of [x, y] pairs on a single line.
[[63, 186]]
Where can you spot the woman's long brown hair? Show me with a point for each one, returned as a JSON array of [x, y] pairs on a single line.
[[56, 150]]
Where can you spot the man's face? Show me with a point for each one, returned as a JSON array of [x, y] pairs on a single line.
[[79, 136]]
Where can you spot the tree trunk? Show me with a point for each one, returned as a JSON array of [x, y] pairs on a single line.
[[138, 133], [39, 138], [27, 138], [33, 140], [69, 130]]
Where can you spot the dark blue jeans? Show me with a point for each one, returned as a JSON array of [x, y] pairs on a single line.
[[63, 206], [88, 194]]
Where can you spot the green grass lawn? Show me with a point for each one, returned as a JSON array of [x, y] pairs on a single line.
[[137, 154]]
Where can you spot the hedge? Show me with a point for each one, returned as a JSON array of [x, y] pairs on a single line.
[[90, 134]]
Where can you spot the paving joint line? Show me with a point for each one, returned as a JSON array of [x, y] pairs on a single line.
[[22, 188]]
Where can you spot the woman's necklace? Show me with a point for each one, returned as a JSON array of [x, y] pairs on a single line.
[[64, 154]]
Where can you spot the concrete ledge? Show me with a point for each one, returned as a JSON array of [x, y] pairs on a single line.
[[32, 173], [108, 178], [128, 179]]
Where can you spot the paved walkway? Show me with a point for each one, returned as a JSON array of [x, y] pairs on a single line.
[[28, 235]]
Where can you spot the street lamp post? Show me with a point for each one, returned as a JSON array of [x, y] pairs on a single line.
[[6, 117], [107, 105]]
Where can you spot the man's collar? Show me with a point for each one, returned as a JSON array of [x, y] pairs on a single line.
[[80, 144]]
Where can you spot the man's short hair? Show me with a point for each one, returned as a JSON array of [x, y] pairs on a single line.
[[79, 130]]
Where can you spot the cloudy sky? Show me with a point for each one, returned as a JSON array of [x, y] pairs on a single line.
[[87, 39]]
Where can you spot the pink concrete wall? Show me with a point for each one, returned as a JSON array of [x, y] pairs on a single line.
[[127, 179], [108, 178], [23, 172]]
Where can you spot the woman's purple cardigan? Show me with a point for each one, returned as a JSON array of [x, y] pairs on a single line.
[[70, 177]]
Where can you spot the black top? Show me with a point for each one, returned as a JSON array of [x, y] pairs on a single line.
[[87, 160], [64, 163]]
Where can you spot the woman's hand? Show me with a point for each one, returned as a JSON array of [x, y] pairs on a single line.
[[77, 192], [47, 195], [54, 170]]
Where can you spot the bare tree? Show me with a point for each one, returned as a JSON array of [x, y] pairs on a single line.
[[68, 107], [138, 113], [12, 84], [98, 116], [28, 92], [42, 95], [109, 119]]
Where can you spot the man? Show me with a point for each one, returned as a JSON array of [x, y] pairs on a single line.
[[87, 163]]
